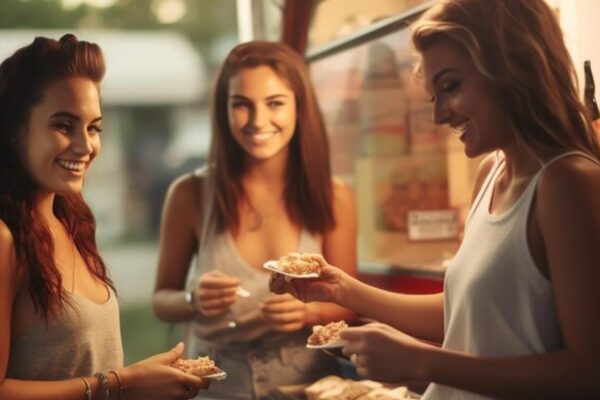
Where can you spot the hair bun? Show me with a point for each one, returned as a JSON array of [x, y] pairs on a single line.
[[68, 38]]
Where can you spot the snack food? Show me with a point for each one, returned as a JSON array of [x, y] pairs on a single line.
[[301, 264], [201, 367], [313, 391], [327, 334]]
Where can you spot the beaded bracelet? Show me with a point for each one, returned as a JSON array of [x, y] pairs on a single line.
[[104, 389], [121, 388], [88, 389]]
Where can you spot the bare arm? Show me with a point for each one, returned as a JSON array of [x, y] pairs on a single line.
[[570, 227], [178, 243], [339, 248]]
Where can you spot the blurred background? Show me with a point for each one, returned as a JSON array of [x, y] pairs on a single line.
[[162, 57]]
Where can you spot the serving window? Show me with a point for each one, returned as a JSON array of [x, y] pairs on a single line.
[[411, 178]]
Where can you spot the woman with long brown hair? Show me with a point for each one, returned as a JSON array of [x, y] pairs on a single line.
[[59, 317], [520, 314], [266, 190]]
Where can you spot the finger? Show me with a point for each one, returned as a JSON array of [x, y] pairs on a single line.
[[217, 279], [278, 298], [217, 303], [208, 294], [284, 307], [169, 357], [293, 327], [285, 318], [353, 334]]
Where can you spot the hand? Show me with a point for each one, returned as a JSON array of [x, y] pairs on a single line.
[[155, 378], [284, 312], [215, 293], [327, 287], [383, 353]]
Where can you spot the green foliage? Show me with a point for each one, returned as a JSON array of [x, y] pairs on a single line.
[[204, 23]]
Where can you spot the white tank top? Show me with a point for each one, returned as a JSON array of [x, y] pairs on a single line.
[[496, 301]]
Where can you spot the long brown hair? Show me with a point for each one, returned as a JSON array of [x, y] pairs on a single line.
[[518, 46], [308, 192], [23, 78]]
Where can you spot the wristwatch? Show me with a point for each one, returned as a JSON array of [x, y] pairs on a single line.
[[189, 298]]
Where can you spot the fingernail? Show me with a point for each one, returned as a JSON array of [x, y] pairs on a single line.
[[179, 346]]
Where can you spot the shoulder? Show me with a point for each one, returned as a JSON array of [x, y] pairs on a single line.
[[342, 193], [575, 175], [8, 262], [186, 188]]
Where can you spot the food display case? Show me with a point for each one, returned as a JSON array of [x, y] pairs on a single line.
[[411, 178]]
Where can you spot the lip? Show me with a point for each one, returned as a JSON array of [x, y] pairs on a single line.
[[74, 167], [259, 138], [460, 128]]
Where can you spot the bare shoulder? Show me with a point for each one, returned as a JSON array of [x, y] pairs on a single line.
[[185, 192], [343, 197], [577, 176], [8, 265]]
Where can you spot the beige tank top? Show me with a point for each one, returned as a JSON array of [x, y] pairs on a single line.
[[84, 339]]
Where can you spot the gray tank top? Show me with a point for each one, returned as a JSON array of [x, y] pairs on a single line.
[[85, 338], [256, 358]]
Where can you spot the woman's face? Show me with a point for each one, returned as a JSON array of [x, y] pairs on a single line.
[[61, 138], [261, 111], [463, 99]]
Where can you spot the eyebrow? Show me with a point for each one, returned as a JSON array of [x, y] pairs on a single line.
[[69, 115], [271, 97]]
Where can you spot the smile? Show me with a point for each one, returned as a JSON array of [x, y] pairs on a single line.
[[461, 128], [260, 137], [75, 166]]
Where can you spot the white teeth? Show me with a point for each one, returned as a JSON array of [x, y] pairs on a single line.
[[72, 165], [461, 128], [262, 136]]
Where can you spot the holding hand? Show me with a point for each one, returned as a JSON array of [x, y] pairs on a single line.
[[215, 293], [385, 354], [155, 378], [327, 287], [284, 312]]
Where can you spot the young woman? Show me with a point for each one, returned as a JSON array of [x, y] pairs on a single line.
[[59, 316], [267, 190], [520, 314]]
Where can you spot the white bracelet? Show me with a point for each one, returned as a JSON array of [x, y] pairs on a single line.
[[88, 389], [189, 298]]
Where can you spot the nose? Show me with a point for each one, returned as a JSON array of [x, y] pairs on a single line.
[[441, 112], [258, 117], [82, 143]]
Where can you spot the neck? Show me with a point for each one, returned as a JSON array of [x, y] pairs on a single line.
[[270, 172]]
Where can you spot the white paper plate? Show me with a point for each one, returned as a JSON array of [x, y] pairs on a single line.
[[338, 344], [271, 265], [216, 377]]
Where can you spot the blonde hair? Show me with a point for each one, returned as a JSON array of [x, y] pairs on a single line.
[[518, 46]]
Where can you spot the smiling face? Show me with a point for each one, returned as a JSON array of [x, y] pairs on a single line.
[[261, 112], [463, 99], [61, 137]]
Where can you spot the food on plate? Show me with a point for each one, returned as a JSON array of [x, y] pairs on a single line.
[[326, 334], [335, 388], [301, 264], [349, 390], [313, 391], [201, 367]]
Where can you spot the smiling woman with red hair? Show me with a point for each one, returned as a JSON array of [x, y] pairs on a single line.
[[59, 316]]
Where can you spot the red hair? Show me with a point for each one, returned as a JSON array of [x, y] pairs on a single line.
[[23, 78]]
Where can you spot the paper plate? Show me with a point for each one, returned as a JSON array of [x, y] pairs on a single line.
[[271, 265]]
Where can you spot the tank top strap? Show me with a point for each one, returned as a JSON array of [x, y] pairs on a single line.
[[488, 181]]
